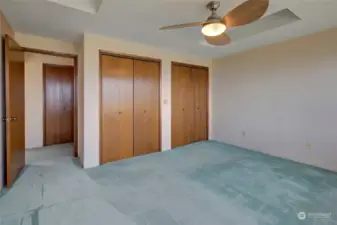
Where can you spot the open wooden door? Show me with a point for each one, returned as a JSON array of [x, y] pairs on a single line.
[[15, 110]]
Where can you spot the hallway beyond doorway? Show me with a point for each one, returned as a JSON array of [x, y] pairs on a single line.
[[48, 154]]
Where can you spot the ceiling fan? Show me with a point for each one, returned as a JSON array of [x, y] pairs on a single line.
[[215, 26]]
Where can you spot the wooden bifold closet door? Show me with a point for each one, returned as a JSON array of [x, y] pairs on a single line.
[[129, 107], [189, 104], [182, 106], [146, 107], [117, 108], [200, 107]]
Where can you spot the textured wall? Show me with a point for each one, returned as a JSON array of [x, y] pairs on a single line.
[[280, 99], [32, 41]]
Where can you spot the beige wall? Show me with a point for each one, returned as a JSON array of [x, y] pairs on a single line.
[[92, 45], [34, 95], [31, 41], [284, 98]]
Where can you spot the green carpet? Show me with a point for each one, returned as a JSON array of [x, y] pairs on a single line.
[[205, 183]]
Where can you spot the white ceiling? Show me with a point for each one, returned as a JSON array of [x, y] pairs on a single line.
[[89, 6], [139, 20]]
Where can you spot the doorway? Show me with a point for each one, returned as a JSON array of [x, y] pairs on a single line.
[[16, 104], [50, 116]]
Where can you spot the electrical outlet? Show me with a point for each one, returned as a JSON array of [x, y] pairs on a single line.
[[165, 101]]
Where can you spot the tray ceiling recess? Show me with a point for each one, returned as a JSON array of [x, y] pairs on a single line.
[[89, 6], [269, 22]]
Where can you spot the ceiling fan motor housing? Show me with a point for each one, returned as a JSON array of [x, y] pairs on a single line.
[[213, 7]]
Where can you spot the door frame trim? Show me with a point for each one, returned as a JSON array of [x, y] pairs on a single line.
[[189, 65], [7, 130], [129, 56], [75, 58], [134, 57], [47, 52], [44, 65], [174, 63]]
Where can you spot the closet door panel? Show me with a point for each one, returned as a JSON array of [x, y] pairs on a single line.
[[116, 108], [146, 107], [189, 109], [200, 91], [182, 106]]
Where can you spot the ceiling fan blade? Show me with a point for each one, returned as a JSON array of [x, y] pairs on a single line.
[[267, 23], [222, 39], [184, 25], [246, 13]]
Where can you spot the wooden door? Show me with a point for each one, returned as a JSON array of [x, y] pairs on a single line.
[[58, 104], [200, 91], [146, 107], [182, 106], [116, 108], [15, 110]]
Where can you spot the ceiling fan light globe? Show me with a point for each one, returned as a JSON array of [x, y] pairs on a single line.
[[213, 29]]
